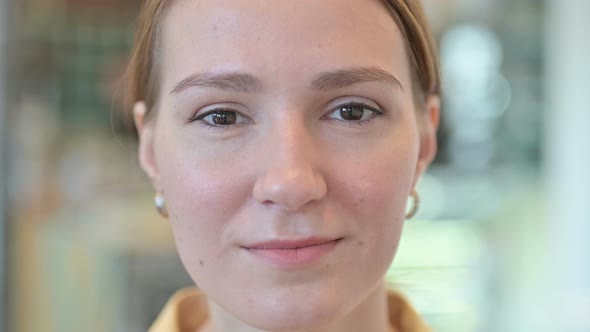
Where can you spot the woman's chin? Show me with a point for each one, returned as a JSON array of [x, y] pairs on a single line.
[[301, 319], [292, 313]]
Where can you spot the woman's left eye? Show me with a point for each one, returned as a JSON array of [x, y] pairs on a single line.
[[354, 113]]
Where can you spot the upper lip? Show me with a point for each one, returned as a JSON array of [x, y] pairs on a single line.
[[290, 244]]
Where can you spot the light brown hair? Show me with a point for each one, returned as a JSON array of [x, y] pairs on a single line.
[[143, 78]]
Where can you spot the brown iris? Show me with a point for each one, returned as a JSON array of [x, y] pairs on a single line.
[[352, 112], [224, 118]]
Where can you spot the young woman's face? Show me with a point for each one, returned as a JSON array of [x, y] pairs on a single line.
[[286, 143]]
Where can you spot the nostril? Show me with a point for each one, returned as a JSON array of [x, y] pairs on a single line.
[[268, 202], [289, 186]]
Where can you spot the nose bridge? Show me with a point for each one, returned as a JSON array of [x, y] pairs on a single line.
[[291, 148], [289, 176]]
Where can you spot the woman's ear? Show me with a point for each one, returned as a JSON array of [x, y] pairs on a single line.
[[429, 122], [145, 130]]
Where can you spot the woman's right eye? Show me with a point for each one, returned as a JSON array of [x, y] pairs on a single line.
[[221, 118]]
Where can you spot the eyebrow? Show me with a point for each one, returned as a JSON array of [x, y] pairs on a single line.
[[244, 82], [232, 81], [355, 75]]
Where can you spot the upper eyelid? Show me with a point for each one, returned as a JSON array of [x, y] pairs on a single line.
[[353, 99], [366, 105], [377, 108], [213, 108]]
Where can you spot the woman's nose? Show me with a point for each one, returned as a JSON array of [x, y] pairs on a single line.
[[289, 177]]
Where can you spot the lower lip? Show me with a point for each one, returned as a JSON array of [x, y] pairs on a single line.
[[294, 257]]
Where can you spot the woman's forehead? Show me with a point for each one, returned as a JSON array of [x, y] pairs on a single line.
[[294, 38]]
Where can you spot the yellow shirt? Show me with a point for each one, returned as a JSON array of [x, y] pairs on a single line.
[[187, 310]]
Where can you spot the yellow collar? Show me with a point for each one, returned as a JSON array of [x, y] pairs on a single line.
[[187, 310]]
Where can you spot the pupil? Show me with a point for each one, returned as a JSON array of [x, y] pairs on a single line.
[[224, 118], [353, 112]]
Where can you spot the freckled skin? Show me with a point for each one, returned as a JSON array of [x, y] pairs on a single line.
[[290, 171]]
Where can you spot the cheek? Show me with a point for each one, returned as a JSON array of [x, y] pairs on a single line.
[[376, 200], [202, 194], [388, 184], [377, 187]]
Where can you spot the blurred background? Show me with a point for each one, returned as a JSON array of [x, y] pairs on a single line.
[[502, 240]]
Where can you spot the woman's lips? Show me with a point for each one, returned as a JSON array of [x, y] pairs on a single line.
[[292, 253]]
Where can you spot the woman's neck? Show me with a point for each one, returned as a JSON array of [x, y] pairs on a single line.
[[370, 315]]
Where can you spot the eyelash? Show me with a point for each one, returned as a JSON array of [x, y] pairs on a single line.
[[199, 118], [352, 123]]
